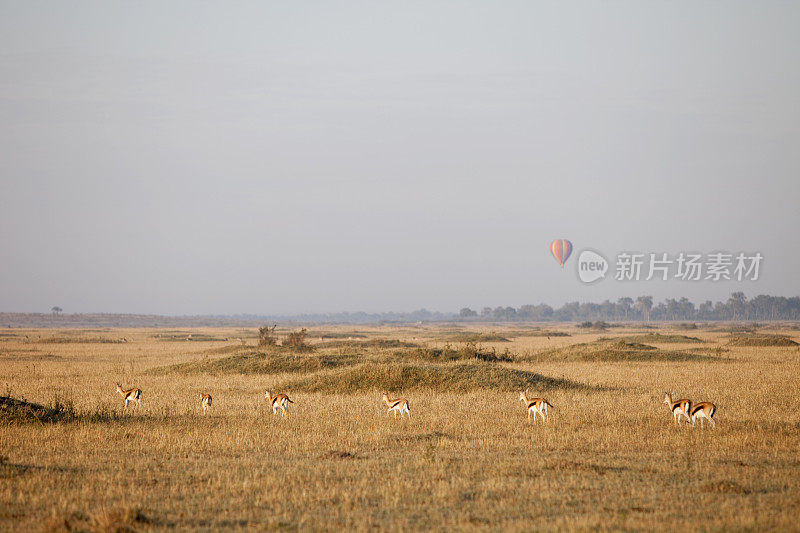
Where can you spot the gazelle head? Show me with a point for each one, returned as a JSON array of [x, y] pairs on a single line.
[[667, 398], [119, 387], [385, 396], [267, 395], [523, 395]]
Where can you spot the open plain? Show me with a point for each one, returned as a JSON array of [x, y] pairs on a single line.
[[72, 458]]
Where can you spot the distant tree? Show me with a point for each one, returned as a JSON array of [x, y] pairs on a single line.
[[672, 309], [544, 311], [705, 310], [607, 309], [505, 314], [535, 313], [624, 305], [645, 304], [486, 312], [686, 308], [56, 310], [466, 312], [737, 303]]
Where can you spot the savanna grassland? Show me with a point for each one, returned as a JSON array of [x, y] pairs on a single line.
[[610, 458]]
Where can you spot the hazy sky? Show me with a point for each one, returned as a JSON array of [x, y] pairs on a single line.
[[284, 157]]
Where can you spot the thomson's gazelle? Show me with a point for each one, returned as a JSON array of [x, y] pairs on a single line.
[[130, 395], [535, 405], [680, 408], [398, 405], [205, 401], [279, 401], [704, 410]]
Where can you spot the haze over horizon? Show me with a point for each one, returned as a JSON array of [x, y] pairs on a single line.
[[274, 158]]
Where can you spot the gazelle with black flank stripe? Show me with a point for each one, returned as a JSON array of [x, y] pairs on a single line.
[[130, 395], [535, 405], [205, 401], [398, 405], [704, 411], [680, 408], [279, 401]]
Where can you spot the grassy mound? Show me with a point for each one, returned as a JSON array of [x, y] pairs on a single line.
[[79, 340], [14, 411], [450, 377], [654, 338], [734, 328], [761, 340], [192, 337], [227, 349], [346, 335], [601, 325], [372, 343], [478, 337], [545, 333], [260, 363], [614, 351], [468, 352]]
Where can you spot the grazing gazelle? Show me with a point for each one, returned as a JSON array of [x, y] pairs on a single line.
[[535, 405], [680, 408], [704, 411], [131, 395], [398, 405], [205, 401], [279, 401]]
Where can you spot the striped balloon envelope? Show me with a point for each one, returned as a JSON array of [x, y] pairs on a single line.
[[561, 248]]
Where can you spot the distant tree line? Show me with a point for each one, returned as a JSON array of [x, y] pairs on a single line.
[[737, 307]]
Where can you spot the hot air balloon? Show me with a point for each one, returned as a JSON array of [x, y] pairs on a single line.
[[561, 248]]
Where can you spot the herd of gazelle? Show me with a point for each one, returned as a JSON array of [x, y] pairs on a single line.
[[683, 408]]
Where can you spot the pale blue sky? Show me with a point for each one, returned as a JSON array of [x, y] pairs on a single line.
[[283, 157]]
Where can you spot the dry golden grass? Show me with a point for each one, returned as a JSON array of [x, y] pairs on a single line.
[[609, 459]]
